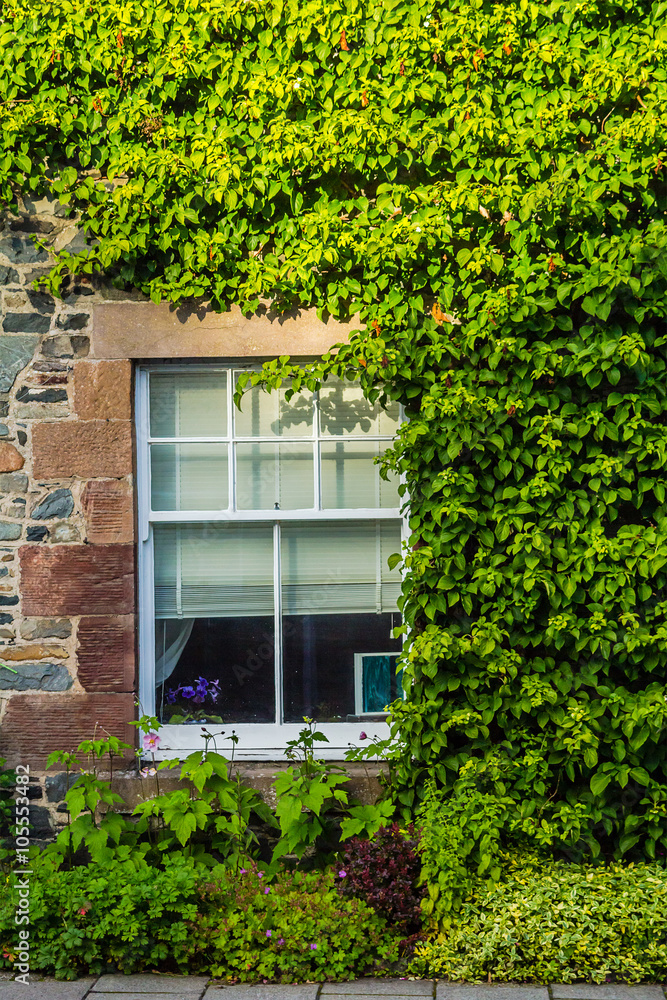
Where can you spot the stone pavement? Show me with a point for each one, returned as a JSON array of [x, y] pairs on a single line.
[[154, 987]]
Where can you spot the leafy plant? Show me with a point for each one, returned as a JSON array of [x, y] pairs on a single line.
[[385, 871], [556, 922], [296, 929]]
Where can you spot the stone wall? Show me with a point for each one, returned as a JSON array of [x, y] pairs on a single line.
[[67, 635], [67, 553]]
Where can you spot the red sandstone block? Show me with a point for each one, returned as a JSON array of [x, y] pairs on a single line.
[[77, 579], [86, 448], [106, 653], [35, 725], [107, 505], [103, 390]]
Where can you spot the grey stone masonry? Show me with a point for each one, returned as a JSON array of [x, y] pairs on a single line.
[[456, 991], [379, 988]]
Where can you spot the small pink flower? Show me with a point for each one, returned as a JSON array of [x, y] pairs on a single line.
[[260, 874], [151, 741], [281, 940], [267, 891], [313, 947], [268, 933], [82, 912], [342, 874], [363, 736], [243, 871]]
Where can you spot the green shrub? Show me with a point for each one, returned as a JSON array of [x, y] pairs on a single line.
[[296, 929], [557, 922], [187, 918]]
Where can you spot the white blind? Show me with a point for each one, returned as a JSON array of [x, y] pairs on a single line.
[[188, 404], [213, 570], [339, 567]]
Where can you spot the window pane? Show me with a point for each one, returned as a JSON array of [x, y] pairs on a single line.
[[188, 405], [339, 567], [214, 608], [216, 670], [344, 411], [319, 662], [265, 414], [350, 477], [213, 570], [189, 477], [274, 476]]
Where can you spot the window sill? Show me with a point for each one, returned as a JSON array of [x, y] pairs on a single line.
[[266, 742]]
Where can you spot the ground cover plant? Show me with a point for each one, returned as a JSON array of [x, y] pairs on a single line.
[[556, 922], [183, 917], [483, 185]]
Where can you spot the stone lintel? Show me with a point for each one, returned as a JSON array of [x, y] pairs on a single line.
[[146, 330]]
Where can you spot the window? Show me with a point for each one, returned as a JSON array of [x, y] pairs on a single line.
[[265, 590]]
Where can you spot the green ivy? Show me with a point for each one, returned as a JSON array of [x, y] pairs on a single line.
[[483, 184]]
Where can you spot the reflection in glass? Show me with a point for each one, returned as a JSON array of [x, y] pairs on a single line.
[[350, 477], [189, 477], [268, 414], [274, 476], [319, 661], [188, 404], [345, 411]]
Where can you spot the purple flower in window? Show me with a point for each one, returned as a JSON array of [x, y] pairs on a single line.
[[188, 692], [171, 695], [214, 691]]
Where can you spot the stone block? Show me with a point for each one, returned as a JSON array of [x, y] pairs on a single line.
[[41, 411], [4, 430], [9, 532], [45, 989], [305, 991], [30, 395], [40, 821], [186, 986], [108, 509], [63, 531], [106, 653], [379, 988], [73, 321], [58, 785], [72, 717], [41, 301], [21, 251], [77, 580], [447, 991], [8, 276], [15, 353], [56, 504], [36, 534], [86, 448], [11, 460], [103, 390], [26, 323], [17, 483], [34, 652], [31, 224], [46, 628], [35, 677], [8, 600], [606, 991]]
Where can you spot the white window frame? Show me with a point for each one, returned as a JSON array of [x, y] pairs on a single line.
[[256, 741]]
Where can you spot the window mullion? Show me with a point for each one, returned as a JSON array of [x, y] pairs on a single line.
[[278, 624], [317, 445]]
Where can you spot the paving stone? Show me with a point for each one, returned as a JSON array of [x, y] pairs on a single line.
[[606, 991], [398, 988], [306, 991], [448, 991], [185, 986], [46, 989], [135, 995]]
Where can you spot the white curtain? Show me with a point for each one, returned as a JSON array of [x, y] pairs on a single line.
[[171, 637]]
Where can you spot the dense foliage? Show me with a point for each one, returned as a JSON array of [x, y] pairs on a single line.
[[484, 184], [180, 918], [385, 871], [557, 923]]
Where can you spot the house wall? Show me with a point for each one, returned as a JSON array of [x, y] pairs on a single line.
[[67, 504]]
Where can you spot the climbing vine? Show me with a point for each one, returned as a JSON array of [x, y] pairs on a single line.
[[483, 184]]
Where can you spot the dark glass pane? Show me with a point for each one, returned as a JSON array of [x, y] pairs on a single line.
[[224, 673], [319, 660]]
